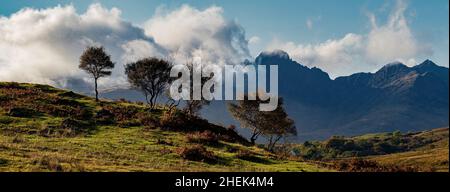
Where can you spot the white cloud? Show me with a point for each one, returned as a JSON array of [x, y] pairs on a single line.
[[254, 40], [334, 56], [387, 43], [189, 32], [394, 40], [43, 46]]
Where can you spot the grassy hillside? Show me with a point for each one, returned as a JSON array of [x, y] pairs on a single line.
[[431, 157], [47, 129], [421, 151]]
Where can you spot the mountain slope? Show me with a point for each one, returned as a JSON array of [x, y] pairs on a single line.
[[47, 129], [396, 97]]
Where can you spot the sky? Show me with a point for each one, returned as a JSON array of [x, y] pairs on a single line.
[[340, 37]]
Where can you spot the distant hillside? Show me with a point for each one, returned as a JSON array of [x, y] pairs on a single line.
[[431, 157], [423, 151], [47, 129]]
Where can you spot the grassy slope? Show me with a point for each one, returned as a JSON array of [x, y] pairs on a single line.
[[421, 151], [24, 147], [431, 157]]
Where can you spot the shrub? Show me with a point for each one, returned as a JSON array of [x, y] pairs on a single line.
[[83, 113], [197, 153], [104, 117], [148, 120], [50, 163], [72, 124], [4, 98], [71, 94], [18, 139], [231, 128], [171, 121], [122, 113], [21, 112], [6, 120], [249, 156], [205, 137], [3, 162], [64, 101], [363, 165], [245, 155], [45, 88]]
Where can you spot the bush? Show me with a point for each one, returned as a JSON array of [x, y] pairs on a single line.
[[205, 137], [171, 121], [122, 113], [6, 120], [3, 162], [21, 112], [148, 120], [363, 165], [245, 155], [197, 153], [105, 117], [71, 94], [50, 163], [4, 98], [67, 128]]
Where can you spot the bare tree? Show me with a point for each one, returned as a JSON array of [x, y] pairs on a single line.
[[96, 62], [151, 76]]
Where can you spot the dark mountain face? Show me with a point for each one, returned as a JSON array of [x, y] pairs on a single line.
[[396, 97]]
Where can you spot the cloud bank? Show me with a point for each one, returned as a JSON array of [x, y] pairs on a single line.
[[43, 46], [188, 33], [390, 42]]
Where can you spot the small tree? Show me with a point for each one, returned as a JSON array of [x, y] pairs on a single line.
[[151, 76], [248, 114], [278, 125], [96, 62], [192, 107], [272, 124]]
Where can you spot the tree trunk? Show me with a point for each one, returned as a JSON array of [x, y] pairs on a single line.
[[254, 137], [96, 91]]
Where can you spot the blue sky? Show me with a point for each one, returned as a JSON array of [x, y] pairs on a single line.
[[301, 22]]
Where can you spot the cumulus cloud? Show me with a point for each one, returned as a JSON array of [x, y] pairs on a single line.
[[387, 43], [43, 46], [339, 52], [188, 33]]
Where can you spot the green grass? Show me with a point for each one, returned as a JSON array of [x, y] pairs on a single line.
[[431, 157], [26, 146], [128, 149]]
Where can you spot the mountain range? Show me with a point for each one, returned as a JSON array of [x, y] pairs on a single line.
[[396, 97]]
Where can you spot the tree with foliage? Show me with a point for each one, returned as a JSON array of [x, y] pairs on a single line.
[[274, 125], [96, 62], [279, 126], [192, 107], [151, 76]]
